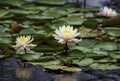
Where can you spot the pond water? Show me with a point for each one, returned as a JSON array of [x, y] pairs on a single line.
[[11, 71], [93, 3]]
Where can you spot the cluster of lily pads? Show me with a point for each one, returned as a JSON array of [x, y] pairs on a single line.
[[28, 30]]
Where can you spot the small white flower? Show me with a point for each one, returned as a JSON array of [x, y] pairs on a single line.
[[108, 12], [66, 34], [24, 42]]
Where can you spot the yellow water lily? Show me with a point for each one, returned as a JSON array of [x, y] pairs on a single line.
[[24, 42], [66, 34], [108, 12]]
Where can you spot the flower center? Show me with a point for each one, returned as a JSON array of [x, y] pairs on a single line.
[[23, 40], [67, 32]]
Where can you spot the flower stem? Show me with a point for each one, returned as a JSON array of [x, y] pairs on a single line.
[[25, 50], [66, 49]]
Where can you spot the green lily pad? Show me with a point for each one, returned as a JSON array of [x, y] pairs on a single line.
[[86, 61], [30, 57], [3, 34], [104, 66], [46, 48], [106, 46], [34, 7], [22, 12], [91, 23], [96, 56], [51, 2], [115, 56], [73, 20], [105, 60], [63, 68], [17, 3], [28, 31], [3, 13], [55, 65], [38, 17], [4, 29], [5, 40], [112, 31], [54, 14], [86, 33]]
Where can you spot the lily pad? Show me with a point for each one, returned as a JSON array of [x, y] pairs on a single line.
[[28, 31], [3, 13], [106, 46], [51, 2], [86, 61], [73, 21], [112, 31], [17, 3]]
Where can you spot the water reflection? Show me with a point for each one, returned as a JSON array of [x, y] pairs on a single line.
[[65, 77], [24, 73]]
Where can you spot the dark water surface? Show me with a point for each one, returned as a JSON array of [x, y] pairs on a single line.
[[94, 3], [115, 4], [11, 71]]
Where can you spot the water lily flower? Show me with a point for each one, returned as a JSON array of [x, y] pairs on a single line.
[[108, 12], [24, 42], [66, 34]]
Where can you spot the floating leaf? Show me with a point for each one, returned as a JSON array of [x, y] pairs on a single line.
[[64, 68], [28, 31], [112, 31], [46, 48], [73, 20], [84, 32], [3, 13], [104, 66], [106, 46], [91, 23], [4, 29], [96, 56], [34, 7], [105, 60], [86, 61], [5, 40], [17, 3], [22, 12], [55, 65], [115, 56], [5, 34], [54, 14], [51, 2], [77, 54], [30, 57]]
